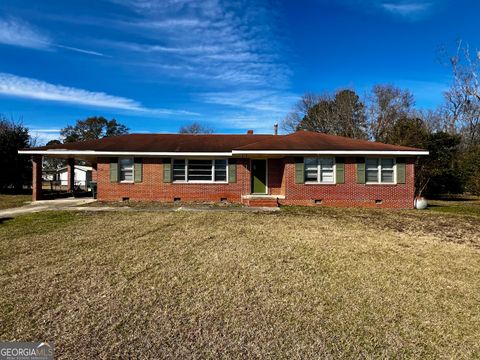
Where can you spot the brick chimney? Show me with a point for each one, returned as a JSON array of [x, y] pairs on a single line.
[[249, 132]]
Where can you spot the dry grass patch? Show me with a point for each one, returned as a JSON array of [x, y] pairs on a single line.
[[322, 283]]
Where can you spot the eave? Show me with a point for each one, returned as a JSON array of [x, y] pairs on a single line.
[[90, 153]]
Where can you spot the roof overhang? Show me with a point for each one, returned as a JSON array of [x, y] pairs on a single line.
[[119, 153], [331, 152], [60, 152]]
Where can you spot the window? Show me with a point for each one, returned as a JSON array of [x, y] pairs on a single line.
[[319, 170], [200, 170], [179, 170], [221, 170], [380, 170], [126, 169]]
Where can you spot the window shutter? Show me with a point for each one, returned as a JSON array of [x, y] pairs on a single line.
[[340, 170], [167, 170], [138, 170], [113, 169], [299, 171], [400, 170], [360, 170], [232, 170]]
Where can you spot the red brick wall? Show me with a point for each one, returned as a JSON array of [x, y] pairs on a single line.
[[350, 194], [281, 181], [276, 177], [36, 177], [153, 188]]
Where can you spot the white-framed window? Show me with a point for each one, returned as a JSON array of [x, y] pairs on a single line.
[[125, 169], [200, 170], [380, 170], [320, 170]]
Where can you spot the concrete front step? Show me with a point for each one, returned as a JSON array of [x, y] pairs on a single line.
[[262, 202]]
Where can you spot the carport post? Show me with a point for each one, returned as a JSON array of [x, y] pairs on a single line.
[[36, 177], [70, 175]]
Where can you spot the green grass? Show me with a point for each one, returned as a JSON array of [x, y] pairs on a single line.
[[10, 201], [300, 283], [461, 206]]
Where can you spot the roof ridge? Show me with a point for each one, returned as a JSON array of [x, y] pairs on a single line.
[[363, 141], [261, 141], [179, 134]]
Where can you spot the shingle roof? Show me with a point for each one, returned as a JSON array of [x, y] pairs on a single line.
[[307, 140], [298, 141], [163, 143]]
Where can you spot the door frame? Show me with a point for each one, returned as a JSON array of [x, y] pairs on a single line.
[[266, 177]]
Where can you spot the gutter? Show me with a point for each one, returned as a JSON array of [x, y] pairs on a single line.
[[331, 152], [225, 154], [120, 153]]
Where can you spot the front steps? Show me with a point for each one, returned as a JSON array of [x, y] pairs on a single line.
[[262, 200]]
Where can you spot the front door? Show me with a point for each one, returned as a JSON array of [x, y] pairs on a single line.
[[259, 176]]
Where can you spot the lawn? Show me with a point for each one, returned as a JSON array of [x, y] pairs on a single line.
[[9, 201], [299, 283], [463, 205]]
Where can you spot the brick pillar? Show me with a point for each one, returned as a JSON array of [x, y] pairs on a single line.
[[94, 172], [36, 177], [70, 174]]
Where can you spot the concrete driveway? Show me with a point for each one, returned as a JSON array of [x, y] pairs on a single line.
[[45, 205], [75, 204]]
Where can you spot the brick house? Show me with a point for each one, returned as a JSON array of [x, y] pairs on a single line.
[[303, 168]]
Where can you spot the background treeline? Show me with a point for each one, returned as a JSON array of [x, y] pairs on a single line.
[[388, 114]]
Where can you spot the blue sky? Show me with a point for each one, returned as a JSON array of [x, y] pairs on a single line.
[[157, 65]]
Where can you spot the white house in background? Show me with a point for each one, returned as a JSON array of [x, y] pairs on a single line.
[[83, 176]]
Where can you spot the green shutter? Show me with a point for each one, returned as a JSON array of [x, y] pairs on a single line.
[[299, 171], [167, 170], [232, 170], [113, 169], [138, 170], [360, 170], [340, 170], [400, 170]]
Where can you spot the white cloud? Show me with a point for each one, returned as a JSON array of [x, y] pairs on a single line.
[[83, 51], [43, 136], [229, 43], [264, 101], [257, 110], [407, 9], [16, 32], [12, 85]]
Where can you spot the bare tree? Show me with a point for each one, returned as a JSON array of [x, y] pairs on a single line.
[[300, 110], [434, 119], [463, 97], [195, 128], [386, 105]]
